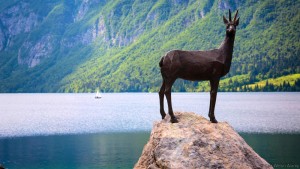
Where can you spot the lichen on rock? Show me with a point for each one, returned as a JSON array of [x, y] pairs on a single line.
[[195, 142]]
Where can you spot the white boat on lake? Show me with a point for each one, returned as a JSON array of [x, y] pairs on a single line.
[[98, 95]]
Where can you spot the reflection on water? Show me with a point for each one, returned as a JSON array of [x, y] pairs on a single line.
[[44, 114], [280, 150], [121, 150], [110, 150]]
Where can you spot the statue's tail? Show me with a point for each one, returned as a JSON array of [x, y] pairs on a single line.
[[161, 62]]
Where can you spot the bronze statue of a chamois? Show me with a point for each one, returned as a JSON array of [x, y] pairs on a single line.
[[198, 65]]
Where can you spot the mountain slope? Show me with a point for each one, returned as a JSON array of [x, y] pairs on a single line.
[[78, 46]]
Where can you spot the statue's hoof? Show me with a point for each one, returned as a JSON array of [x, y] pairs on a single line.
[[213, 120], [174, 120], [163, 114]]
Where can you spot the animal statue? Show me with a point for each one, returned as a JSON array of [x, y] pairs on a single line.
[[208, 65]]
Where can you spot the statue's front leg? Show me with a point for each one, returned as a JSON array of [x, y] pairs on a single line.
[[214, 84]]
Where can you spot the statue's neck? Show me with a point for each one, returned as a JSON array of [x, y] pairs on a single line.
[[226, 49]]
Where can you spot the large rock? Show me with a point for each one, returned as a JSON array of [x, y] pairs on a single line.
[[195, 142]]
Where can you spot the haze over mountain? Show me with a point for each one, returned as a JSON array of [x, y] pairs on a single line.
[[115, 45]]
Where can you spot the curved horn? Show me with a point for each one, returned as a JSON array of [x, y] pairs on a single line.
[[229, 15], [235, 15]]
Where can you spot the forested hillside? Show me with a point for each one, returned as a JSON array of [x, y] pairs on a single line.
[[115, 45]]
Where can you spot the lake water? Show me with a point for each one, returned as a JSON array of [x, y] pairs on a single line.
[[78, 131]]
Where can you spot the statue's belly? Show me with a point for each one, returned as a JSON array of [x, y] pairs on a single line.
[[196, 73]]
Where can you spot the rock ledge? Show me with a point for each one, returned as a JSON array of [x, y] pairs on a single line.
[[194, 142]]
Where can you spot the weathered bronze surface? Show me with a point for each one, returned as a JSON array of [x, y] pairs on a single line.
[[208, 65]]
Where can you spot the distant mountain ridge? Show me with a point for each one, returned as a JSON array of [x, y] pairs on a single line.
[[115, 46]]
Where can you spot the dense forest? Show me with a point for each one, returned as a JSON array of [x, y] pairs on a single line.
[[115, 46]]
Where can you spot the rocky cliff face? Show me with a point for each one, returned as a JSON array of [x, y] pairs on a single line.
[[81, 45], [194, 142], [26, 29], [14, 20], [35, 31], [17, 22], [31, 53]]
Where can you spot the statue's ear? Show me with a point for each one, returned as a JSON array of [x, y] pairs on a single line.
[[225, 20], [237, 21]]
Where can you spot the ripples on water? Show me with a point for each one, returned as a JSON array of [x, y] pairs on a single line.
[[46, 114]]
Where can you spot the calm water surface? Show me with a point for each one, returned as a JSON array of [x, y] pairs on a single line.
[[45, 114], [121, 150], [78, 131], [83, 151]]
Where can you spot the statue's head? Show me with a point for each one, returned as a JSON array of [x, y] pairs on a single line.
[[231, 24]]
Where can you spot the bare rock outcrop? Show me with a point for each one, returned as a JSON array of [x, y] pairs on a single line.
[[195, 142]]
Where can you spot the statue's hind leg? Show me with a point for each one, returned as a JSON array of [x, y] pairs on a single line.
[[168, 87], [161, 99]]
